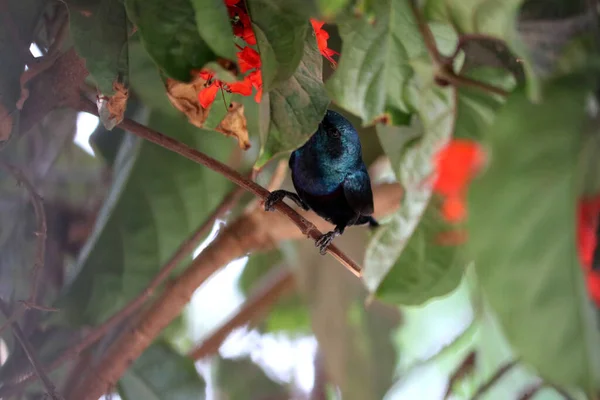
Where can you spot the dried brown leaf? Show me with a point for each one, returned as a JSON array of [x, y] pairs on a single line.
[[184, 96], [112, 109], [234, 124]]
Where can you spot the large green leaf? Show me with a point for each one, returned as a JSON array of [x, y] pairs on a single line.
[[355, 339], [214, 26], [162, 374], [524, 245], [241, 379], [169, 33], [157, 199], [280, 27], [100, 36], [496, 19], [295, 108], [23, 16], [376, 63], [414, 257]]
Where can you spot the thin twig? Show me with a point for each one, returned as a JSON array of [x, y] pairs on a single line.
[[184, 250], [306, 227], [443, 65], [466, 367], [269, 290], [30, 353], [493, 379], [40, 215]]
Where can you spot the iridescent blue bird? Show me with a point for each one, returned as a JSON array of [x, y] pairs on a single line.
[[331, 178]]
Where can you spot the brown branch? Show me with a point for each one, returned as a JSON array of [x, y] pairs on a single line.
[[493, 379], [257, 231], [42, 228], [306, 227], [30, 353], [184, 250], [269, 290], [466, 367], [443, 65]]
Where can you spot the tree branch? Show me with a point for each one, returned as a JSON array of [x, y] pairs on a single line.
[[269, 290], [306, 227], [493, 379], [257, 231], [30, 353], [42, 227], [184, 250], [443, 65]]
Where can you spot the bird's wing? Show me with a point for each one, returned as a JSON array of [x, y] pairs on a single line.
[[357, 190]]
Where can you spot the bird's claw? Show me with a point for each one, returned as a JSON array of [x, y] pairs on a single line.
[[324, 241], [273, 198]]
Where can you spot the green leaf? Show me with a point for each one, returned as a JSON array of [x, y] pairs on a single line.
[[169, 34], [295, 107], [241, 379], [289, 314], [280, 28], [100, 37], [375, 66], [328, 9], [214, 26], [157, 199], [494, 19], [524, 246], [23, 16], [355, 339], [162, 374], [415, 256]]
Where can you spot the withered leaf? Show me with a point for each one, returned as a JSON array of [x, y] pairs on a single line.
[[234, 124], [184, 96], [112, 109]]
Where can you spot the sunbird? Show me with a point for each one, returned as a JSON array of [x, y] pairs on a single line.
[[330, 178]]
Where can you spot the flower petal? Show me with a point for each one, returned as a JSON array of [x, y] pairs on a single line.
[[244, 87], [207, 95], [248, 59], [456, 165]]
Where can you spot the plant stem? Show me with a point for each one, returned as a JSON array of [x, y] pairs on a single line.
[[30, 353], [306, 227], [269, 290]]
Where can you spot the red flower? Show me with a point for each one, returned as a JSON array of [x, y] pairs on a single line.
[[244, 87], [242, 26], [587, 223], [322, 37], [230, 3], [248, 59], [255, 77], [456, 164]]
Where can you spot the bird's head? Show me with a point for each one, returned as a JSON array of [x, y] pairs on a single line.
[[336, 138]]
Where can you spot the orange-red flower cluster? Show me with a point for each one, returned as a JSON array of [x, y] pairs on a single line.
[[456, 164], [248, 61], [242, 26], [587, 223], [322, 37]]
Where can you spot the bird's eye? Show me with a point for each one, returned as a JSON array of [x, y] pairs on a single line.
[[334, 133]]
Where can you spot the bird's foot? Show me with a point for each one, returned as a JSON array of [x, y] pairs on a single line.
[[373, 223], [278, 195], [325, 240], [274, 198]]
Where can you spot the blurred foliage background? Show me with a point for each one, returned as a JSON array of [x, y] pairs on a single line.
[[504, 316]]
